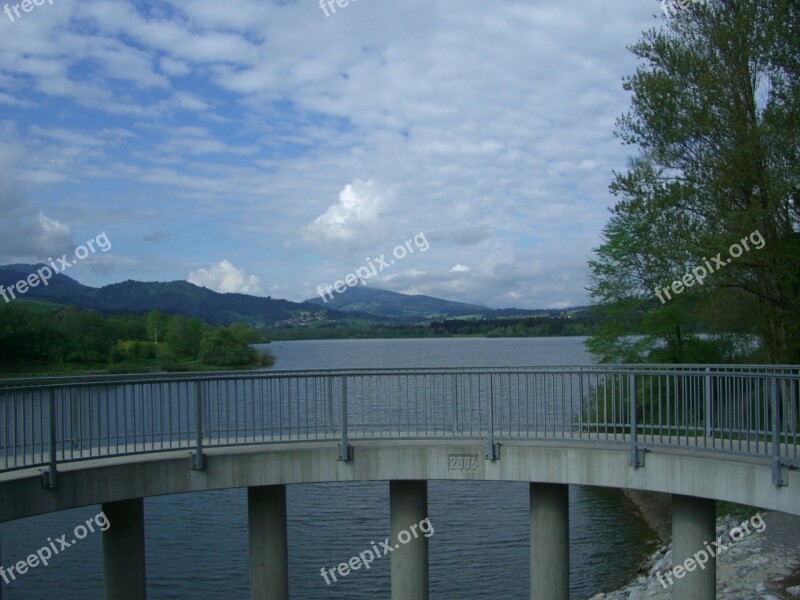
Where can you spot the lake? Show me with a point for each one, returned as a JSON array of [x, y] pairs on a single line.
[[197, 543]]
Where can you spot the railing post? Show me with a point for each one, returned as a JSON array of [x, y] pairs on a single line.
[[74, 411], [777, 466], [50, 477], [454, 379], [492, 448], [636, 455], [331, 423], [709, 405], [345, 449], [198, 462]]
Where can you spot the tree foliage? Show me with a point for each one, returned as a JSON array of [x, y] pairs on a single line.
[[715, 117], [221, 348], [36, 337]]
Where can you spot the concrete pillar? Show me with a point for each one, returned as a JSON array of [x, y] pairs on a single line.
[[269, 554], [408, 506], [123, 550], [693, 527], [549, 541]]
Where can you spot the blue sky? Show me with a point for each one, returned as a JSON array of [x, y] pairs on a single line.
[[263, 147]]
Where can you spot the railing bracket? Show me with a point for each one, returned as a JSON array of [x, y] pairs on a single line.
[[49, 479], [492, 450], [778, 469], [198, 461], [345, 452], [637, 457]]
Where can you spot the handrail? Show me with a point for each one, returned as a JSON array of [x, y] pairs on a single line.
[[38, 382], [744, 410]]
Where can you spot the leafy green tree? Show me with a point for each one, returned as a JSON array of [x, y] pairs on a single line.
[[27, 338], [87, 336], [632, 264], [157, 325], [715, 115], [221, 349], [183, 335], [245, 334]]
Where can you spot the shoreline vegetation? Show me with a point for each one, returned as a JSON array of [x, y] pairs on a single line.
[[41, 338], [38, 339], [488, 328]]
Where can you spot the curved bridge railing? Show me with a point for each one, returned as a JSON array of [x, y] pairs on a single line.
[[746, 410]]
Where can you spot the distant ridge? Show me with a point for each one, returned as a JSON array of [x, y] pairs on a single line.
[[396, 306], [171, 297], [405, 308], [362, 306]]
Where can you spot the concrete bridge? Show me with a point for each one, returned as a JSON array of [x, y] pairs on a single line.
[[700, 433]]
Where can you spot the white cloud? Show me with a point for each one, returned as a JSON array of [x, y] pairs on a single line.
[[226, 279], [353, 221], [459, 268], [10, 100], [52, 229], [173, 67]]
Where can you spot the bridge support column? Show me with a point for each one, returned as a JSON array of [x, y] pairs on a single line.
[[549, 541], [123, 550], [693, 528], [408, 506], [269, 554]]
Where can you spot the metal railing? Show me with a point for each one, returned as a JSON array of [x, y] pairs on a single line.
[[750, 410]]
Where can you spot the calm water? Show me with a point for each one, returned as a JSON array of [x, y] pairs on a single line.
[[197, 543]]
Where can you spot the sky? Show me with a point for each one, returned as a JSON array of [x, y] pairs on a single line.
[[272, 146]]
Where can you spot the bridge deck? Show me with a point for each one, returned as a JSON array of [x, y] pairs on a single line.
[[746, 411]]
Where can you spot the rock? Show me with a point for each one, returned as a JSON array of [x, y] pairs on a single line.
[[744, 571]]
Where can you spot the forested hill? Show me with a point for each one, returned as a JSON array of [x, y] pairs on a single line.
[[397, 308], [179, 297]]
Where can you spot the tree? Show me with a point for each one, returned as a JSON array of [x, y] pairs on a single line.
[[157, 325], [715, 115], [245, 334], [183, 335], [219, 348]]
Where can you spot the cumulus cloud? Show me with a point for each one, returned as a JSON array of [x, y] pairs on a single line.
[[459, 268], [353, 221], [227, 279]]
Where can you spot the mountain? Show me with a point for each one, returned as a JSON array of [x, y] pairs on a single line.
[[171, 297], [357, 307], [368, 301], [365, 301]]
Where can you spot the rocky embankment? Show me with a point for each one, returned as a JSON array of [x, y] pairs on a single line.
[[764, 564]]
